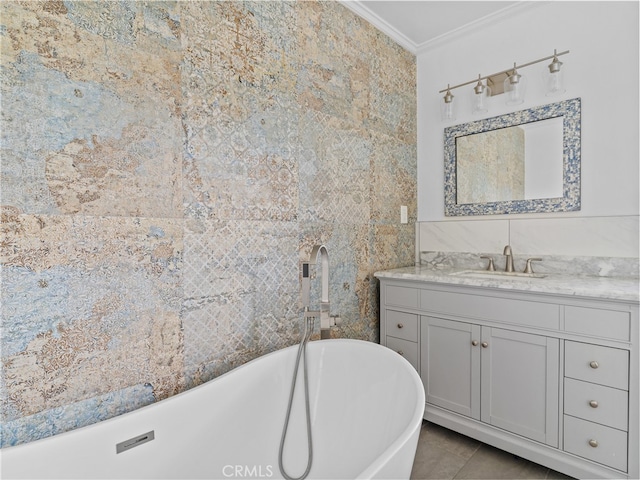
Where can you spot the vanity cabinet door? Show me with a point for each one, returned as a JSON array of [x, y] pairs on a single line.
[[450, 365], [520, 383]]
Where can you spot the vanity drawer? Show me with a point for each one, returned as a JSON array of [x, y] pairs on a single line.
[[507, 310], [608, 445], [598, 322], [401, 296], [407, 349], [597, 364], [604, 405], [402, 325]]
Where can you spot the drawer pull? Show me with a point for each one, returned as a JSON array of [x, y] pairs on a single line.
[[400, 325], [474, 343], [400, 352], [593, 403], [484, 344], [593, 443], [594, 364]]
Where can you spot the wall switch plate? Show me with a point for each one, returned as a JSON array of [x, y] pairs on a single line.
[[404, 218]]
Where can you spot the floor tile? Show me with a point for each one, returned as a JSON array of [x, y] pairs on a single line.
[[436, 463], [441, 453], [448, 440], [553, 475], [491, 463], [446, 455]]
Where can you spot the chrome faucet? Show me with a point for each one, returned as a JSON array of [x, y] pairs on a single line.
[[507, 252], [326, 320]]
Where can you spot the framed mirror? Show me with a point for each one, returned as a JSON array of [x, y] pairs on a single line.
[[521, 162]]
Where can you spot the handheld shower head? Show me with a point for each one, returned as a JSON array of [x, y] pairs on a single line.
[[318, 251]]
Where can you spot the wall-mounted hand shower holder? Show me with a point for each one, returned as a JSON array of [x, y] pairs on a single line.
[[326, 320]]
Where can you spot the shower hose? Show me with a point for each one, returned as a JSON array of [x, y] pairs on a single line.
[[302, 352]]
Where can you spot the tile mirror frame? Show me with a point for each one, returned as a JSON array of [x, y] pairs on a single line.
[[570, 111]]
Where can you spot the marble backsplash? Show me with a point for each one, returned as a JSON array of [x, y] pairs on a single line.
[[595, 246], [550, 264]]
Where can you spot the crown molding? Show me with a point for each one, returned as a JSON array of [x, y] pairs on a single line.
[[375, 20], [503, 14]]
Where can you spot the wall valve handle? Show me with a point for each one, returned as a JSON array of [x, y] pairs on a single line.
[[528, 268], [491, 267]]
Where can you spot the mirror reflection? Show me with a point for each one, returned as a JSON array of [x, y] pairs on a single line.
[[522, 162], [513, 163]]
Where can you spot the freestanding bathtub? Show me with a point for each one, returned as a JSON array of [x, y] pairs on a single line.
[[367, 404]]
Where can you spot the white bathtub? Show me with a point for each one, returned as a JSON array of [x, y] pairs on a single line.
[[367, 404]]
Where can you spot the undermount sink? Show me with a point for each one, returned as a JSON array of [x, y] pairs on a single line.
[[495, 275]]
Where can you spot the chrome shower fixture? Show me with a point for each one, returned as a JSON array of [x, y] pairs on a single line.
[[326, 320]]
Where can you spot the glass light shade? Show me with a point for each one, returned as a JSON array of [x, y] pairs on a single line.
[[480, 98], [514, 88], [554, 78], [447, 111], [447, 107]]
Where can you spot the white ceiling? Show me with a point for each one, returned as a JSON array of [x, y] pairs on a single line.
[[416, 24]]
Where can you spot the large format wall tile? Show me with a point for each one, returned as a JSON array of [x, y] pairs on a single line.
[[166, 168], [241, 292], [334, 171], [586, 236], [615, 237], [464, 236], [94, 108], [90, 306]]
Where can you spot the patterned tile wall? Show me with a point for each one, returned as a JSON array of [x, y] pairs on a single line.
[[166, 166]]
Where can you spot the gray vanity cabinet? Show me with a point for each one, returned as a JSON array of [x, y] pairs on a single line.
[[503, 378], [450, 365], [551, 378]]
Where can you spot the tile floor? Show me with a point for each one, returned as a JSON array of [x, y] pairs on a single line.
[[443, 454]]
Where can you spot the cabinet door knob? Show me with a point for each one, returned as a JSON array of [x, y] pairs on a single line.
[[593, 403], [593, 443], [400, 325], [484, 344], [594, 364], [400, 352], [474, 343]]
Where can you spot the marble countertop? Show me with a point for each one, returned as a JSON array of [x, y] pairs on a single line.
[[609, 288]]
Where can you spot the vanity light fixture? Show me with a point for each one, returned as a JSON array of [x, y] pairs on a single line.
[[514, 87], [554, 81], [479, 96], [447, 108], [508, 81]]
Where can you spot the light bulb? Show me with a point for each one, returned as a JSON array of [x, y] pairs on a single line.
[[447, 110], [479, 97], [554, 81], [514, 88]]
